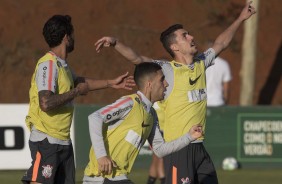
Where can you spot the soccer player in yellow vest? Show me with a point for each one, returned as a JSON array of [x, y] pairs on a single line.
[[119, 130], [185, 101], [53, 89]]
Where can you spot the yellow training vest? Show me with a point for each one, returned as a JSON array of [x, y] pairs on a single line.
[[56, 122], [186, 104], [124, 142]]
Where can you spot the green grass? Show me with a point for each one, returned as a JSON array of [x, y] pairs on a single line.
[[139, 176]]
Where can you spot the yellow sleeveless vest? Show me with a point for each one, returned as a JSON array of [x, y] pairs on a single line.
[[124, 142], [186, 105], [57, 122]]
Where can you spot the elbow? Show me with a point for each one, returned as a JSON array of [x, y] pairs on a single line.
[[136, 61], [158, 153]]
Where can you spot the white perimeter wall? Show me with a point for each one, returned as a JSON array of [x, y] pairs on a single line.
[[12, 116]]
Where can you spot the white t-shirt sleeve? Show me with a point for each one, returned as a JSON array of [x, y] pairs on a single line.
[[227, 73], [46, 76]]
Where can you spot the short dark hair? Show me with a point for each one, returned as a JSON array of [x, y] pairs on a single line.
[[143, 70], [56, 28], [168, 36]]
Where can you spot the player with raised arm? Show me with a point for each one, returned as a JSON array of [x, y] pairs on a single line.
[[185, 100]]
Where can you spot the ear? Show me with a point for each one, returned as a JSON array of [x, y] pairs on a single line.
[[65, 39], [149, 84], [174, 47]]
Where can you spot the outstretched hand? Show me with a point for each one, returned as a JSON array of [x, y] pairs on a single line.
[[247, 11], [123, 82], [105, 42], [196, 131]]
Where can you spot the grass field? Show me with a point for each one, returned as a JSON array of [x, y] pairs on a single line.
[[139, 176]]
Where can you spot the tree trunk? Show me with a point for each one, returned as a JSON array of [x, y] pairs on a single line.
[[249, 58]]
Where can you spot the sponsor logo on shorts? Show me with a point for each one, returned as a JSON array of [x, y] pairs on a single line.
[[185, 180], [47, 171]]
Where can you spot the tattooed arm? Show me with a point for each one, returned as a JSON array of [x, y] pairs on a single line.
[[46, 81], [49, 101]]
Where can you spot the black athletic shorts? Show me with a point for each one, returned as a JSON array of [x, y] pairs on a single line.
[[190, 165], [51, 163], [107, 181]]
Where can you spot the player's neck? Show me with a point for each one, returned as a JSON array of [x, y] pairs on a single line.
[[184, 59], [60, 51]]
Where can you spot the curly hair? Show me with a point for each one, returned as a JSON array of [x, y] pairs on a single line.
[[56, 28]]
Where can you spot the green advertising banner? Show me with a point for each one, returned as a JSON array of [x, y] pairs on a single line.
[[259, 137], [252, 135]]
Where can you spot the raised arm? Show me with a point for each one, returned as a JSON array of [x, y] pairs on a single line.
[[124, 50], [224, 39]]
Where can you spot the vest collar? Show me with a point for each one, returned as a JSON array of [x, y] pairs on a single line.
[[145, 101], [63, 62]]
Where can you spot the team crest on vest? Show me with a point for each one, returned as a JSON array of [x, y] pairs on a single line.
[[177, 65], [47, 171], [185, 180]]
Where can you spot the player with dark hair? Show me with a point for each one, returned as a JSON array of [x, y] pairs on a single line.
[[119, 130], [185, 101], [53, 89]]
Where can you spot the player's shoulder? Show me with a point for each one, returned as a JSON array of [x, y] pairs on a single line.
[[161, 62], [199, 57], [209, 53], [125, 99], [48, 57]]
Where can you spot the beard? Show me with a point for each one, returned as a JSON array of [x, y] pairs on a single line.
[[70, 46]]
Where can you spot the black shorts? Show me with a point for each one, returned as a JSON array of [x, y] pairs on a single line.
[[51, 163], [106, 181], [191, 165]]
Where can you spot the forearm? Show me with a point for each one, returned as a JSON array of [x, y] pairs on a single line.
[[130, 54], [162, 148], [98, 84], [167, 148], [224, 39], [49, 101]]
